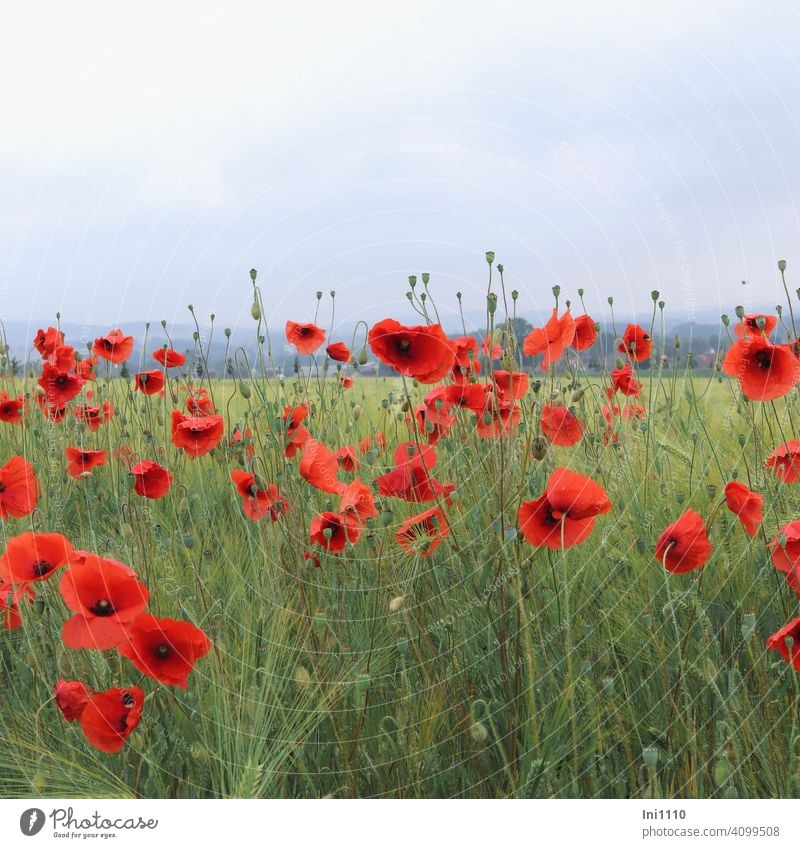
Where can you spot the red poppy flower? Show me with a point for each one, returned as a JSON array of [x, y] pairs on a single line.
[[346, 382], [296, 434], [624, 381], [471, 396], [11, 409], [10, 596], [564, 515], [347, 459], [109, 717], [551, 340], [71, 698], [466, 361], [94, 416], [47, 341], [149, 382], [305, 337], [332, 531], [785, 460], [785, 551], [312, 558], [196, 436], [152, 480], [585, 332], [499, 422], [259, 500], [53, 412], [636, 343], [32, 557], [357, 499], [198, 402], [749, 326], [745, 504], [777, 642], [62, 358], [423, 533], [422, 352], [87, 368], [168, 357], [164, 648], [684, 545], [19, 489], [411, 481], [511, 385], [339, 352], [83, 461], [491, 349], [59, 386], [115, 346], [106, 597], [318, 466], [765, 371], [365, 445], [561, 426]]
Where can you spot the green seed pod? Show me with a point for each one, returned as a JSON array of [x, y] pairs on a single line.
[[781, 265], [198, 752], [356, 412], [253, 274], [739, 312], [650, 757], [490, 256], [244, 390], [188, 541], [426, 277], [255, 311], [363, 356]]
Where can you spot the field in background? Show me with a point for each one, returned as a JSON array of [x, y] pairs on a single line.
[[489, 669]]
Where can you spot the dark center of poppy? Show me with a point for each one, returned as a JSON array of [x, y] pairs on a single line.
[[107, 344], [102, 608], [62, 380], [763, 359], [127, 700], [123, 723], [305, 331], [404, 345], [162, 650], [2, 488], [41, 568]]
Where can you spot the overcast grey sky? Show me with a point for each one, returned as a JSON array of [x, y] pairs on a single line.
[[149, 158]]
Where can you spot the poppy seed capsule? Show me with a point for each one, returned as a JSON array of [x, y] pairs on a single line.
[[781, 265], [739, 312], [426, 277]]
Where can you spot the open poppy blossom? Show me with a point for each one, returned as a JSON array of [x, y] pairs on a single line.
[[410, 478], [152, 480], [785, 552], [777, 642], [585, 332], [87, 368], [466, 362], [490, 348], [498, 421], [345, 382], [46, 341], [149, 382], [32, 557], [62, 358], [305, 337], [95, 416], [198, 402], [684, 545], [339, 352], [422, 352], [423, 533], [108, 718], [196, 436], [357, 500], [164, 648], [785, 461], [471, 396], [115, 347], [564, 514], [623, 380], [19, 489], [551, 340], [106, 597], [748, 326], [11, 409], [318, 467], [259, 500], [83, 461], [347, 459], [71, 698], [59, 386], [169, 358], [636, 343], [745, 504], [561, 426], [332, 531], [510, 385], [765, 371], [367, 443], [243, 439], [10, 597], [295, 434]]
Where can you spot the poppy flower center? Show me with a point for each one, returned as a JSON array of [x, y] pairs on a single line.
[[304, 331], [127, 700], [162, 650], [102, 608], [60, 381], [41, 568], [763, 359], [404, 345], [2, 488]]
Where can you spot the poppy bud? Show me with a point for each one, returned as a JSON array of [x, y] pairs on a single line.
[[748, 625], [781, 265], [478, 732], [578, 394], [362, 357], [244, 390], [386, 517], [641, 545], [608, 686], [647, 621], [650, 757], [721, 770], [38, 606], [319, 621], [301, 677], [255, 311], [490, 256], [198, 752], [356, 412], [188, 541], [127, 533], [539, 448], [397, 603]]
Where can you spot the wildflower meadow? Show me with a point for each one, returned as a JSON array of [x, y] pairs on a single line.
[[424, 562]]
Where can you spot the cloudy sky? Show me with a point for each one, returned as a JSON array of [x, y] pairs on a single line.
[[150, 158]]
